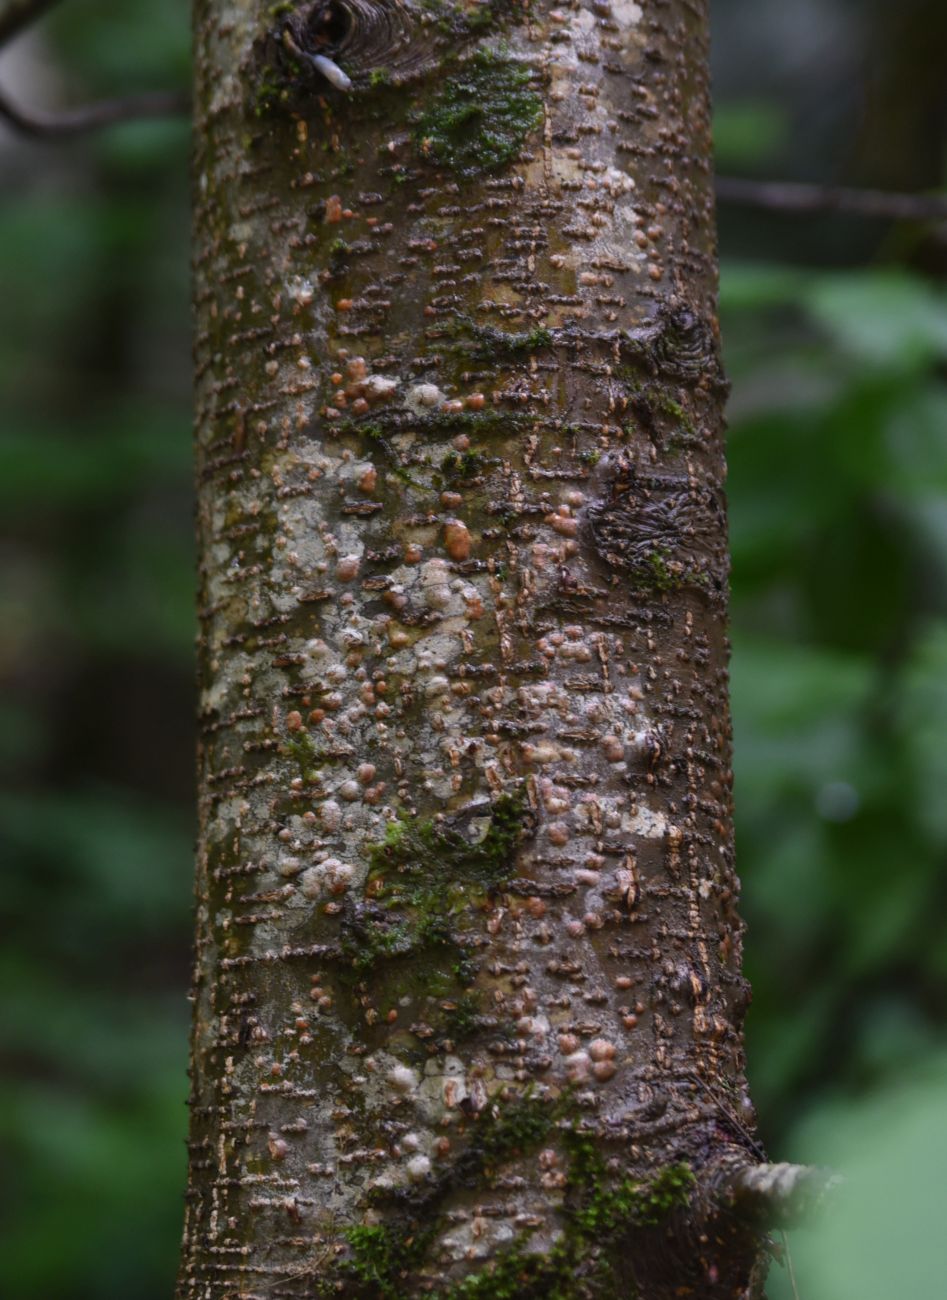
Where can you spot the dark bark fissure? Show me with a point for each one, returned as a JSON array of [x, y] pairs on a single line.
[[468, 1002]]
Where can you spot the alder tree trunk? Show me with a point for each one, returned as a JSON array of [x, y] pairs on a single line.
[[468, 1001]]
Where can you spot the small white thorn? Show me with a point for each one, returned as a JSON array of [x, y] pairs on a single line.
[[331, 71]]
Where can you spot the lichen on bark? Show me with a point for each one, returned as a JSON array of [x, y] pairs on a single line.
[[468, 1001]]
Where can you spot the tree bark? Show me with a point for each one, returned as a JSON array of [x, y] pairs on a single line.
[[468, 1001]]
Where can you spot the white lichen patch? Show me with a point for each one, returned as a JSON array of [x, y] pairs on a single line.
[[617, 182], [301, 290], [627, 12], [651, 825], [477, 1239], [424, 398], [404, 1080], [418, 1168], [331, 876]]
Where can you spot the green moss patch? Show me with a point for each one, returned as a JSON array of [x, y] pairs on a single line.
[[419, 857], [424, 876], [463, 465], [381, 1256], [304, 750], [482, 116], [513, 1130], [602, 1219], [486, 342]]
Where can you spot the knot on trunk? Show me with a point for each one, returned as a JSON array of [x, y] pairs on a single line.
[[684, 346], [664, 530], [365, 41], [678, 343]]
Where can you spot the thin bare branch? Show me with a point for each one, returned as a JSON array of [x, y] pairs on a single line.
[[803, 199], [91, 117], [17, 15]]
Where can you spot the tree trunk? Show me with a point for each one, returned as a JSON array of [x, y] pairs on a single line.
[[468, 1002]]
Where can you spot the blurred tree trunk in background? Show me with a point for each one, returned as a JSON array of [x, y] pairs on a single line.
[[468, 1003], [903, 117]]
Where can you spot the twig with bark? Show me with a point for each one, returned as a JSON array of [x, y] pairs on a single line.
[[804, 199], [16, 17]]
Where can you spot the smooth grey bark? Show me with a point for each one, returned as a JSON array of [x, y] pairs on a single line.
[[468, 1001]]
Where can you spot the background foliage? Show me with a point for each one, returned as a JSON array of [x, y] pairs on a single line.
[[836, 340]]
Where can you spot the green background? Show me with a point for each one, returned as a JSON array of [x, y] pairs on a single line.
[[835, 333]]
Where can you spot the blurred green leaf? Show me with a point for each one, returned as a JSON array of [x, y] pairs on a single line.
[[799, 695], [79, 1166], [923, 718], [749, 286], [748, 132], [915, 434], [881, 316], [881, 1234], [50, 467], [125, 45], [118, 866], [145, 147]]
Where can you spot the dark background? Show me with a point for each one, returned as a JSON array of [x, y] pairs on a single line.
[[835, 333]]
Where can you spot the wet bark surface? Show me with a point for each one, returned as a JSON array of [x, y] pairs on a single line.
[[468, 1002]]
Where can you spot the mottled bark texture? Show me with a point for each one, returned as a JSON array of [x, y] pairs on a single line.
[[468, 1002]]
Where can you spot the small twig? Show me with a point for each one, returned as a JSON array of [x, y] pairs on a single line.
[[16, 15], [790, 1268], [757, 1148], [780, 1195], [797, 197], [91, 117]]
